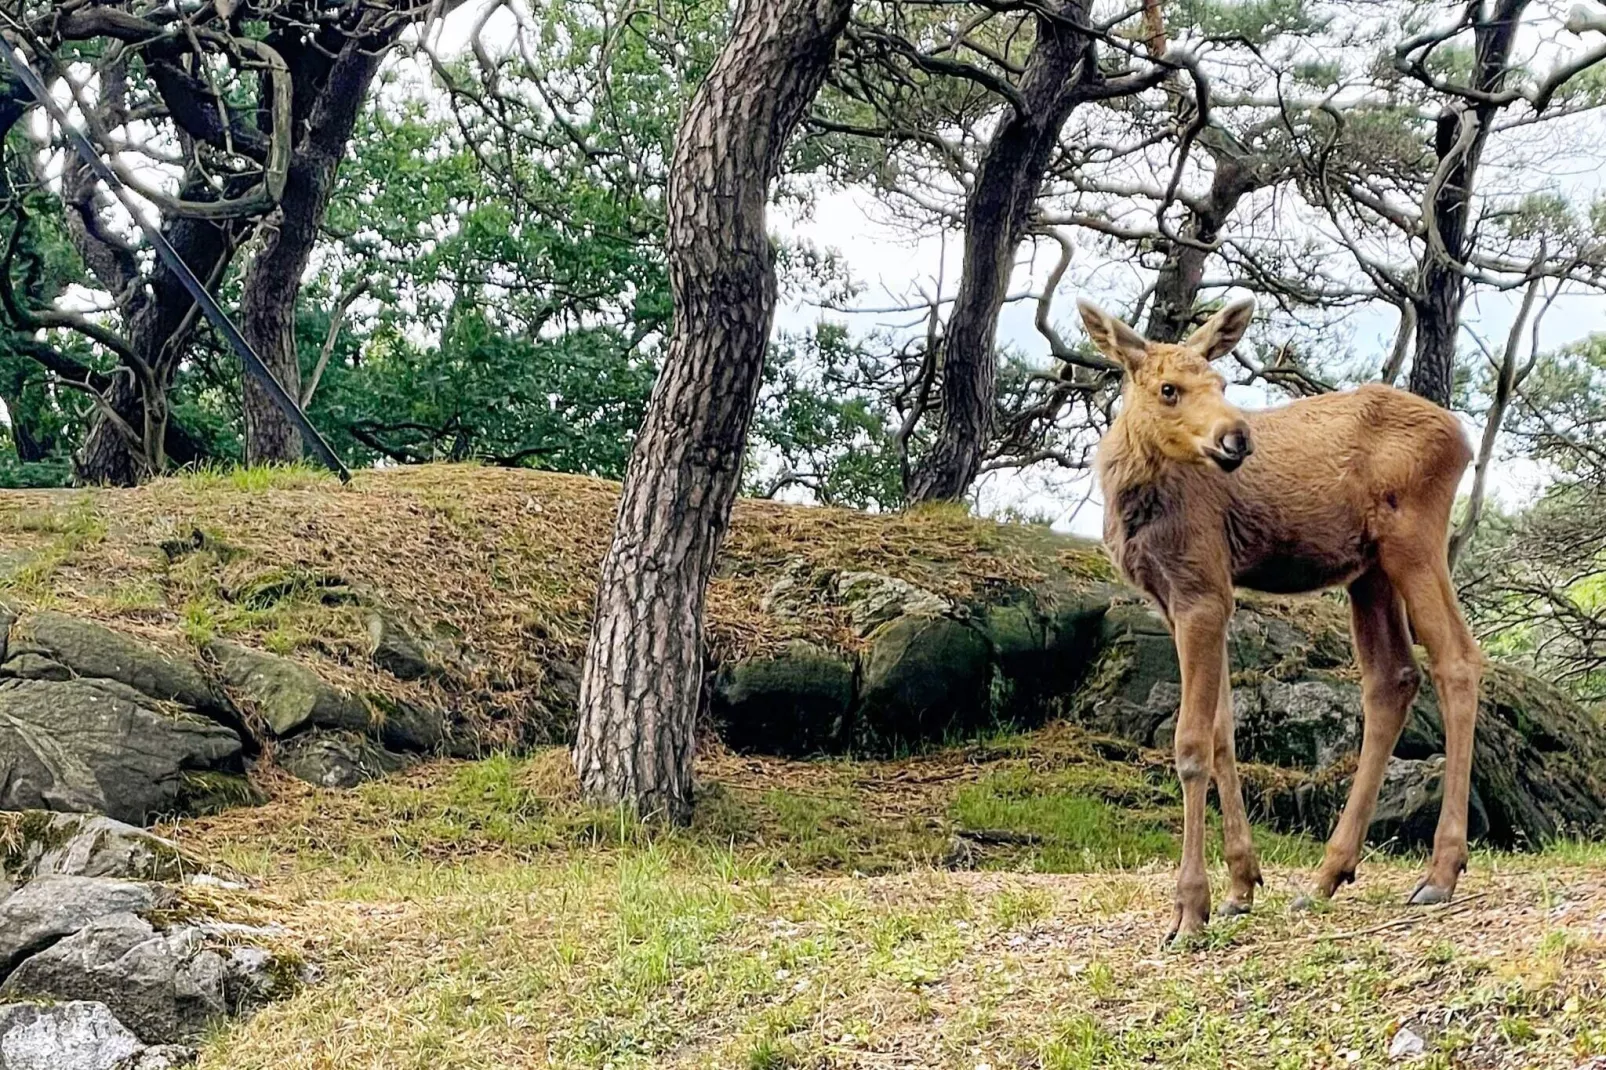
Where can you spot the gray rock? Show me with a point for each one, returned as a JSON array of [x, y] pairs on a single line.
[[1408, 802], [163, 1057], [43, 911], [407, 726], [87, 845], [795, 701], [254, 977], [285, 694], [91, 650], [99, 746], [395, 650], [924, 678], [873, 599], [165, 987], [7, 619], [31, 666], [64, 1036], [336, 759], [796, 589]]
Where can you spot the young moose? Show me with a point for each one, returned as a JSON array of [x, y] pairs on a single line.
[[1348, 489]]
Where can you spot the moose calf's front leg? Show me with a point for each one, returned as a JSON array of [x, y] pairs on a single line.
[[1201, 641]]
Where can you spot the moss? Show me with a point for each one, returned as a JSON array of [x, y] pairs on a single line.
[[208, 792]]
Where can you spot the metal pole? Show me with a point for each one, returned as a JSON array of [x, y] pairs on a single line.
[[220, 320]]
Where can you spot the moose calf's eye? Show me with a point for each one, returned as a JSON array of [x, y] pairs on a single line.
[[1168, 393]]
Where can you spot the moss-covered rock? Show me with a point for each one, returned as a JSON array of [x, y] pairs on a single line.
[[793, 702], [88, 649], [336, 759], [285, 695], [925, 678]]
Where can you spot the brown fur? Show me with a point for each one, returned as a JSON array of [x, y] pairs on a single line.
[[1350, 489]]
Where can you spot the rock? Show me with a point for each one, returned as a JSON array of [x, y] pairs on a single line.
[[407, 726], [794, 702], [1406, 1045], [46, 909], [100, 746], [336, 759], [1134, 682], [797, 588], [64, 1036], [1539, 759], [873, 599], [1408, 803], [396, 651], [31, 666], [91, 650], [1309, 724], [924, 678], [287, 696], [7, 619], [254, 977], [45, 844], [166, 988], [163, 1057]]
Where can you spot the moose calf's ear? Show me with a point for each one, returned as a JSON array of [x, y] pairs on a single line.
[[1112, 337], [1224, 330]]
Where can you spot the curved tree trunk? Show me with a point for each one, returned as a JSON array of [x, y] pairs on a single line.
[[1462, 132], [998, 212], [643, 671], [329, 100]]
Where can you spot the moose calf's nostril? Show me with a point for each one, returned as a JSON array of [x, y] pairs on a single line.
[[1235, 443]]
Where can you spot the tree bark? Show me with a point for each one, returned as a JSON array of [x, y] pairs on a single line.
[[642, 681], [329, 98], [158, 325], [998, 213], [1463, 130], [1176, 289]]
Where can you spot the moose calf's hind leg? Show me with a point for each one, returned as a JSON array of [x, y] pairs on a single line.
[[1457, 669], [1389, 683]]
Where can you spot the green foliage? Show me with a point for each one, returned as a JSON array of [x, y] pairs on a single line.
[[1255, 21], [818, 427]]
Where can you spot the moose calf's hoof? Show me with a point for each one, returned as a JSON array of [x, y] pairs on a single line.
[[1427, 895], [1233, 908]]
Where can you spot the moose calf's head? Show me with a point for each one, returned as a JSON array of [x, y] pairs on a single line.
[[1172, 398]]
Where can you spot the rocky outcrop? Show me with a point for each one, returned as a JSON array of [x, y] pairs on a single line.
[[927, 668], [115, 969], [93, 720], [101, 746]]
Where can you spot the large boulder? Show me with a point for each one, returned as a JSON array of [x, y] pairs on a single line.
[[284, 695], [925, 678], [44, 910], [102, 746], [794, 701], [86, 649], [165, 987], [65, 1036]]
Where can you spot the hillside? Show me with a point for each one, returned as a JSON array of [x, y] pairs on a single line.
[[935, 817]]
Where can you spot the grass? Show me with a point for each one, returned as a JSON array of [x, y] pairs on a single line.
[[476, 914]]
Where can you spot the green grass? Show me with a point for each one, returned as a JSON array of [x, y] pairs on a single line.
[[476, 914]]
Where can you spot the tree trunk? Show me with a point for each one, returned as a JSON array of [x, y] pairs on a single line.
[[1176, 289], [997, 216], [158, 327], [642, 680], [333, 98], [1462, 132]]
